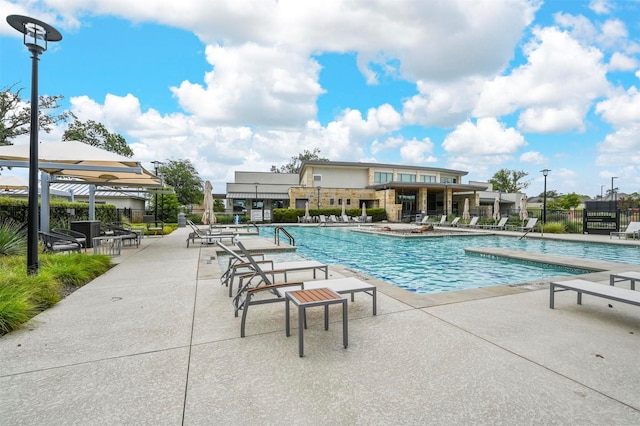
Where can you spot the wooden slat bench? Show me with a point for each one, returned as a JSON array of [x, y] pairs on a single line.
[[587, 287]]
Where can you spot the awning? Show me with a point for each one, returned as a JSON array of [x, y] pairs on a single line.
[[261, 195], [82, 161]]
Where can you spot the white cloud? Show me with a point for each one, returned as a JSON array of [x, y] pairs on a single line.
[[533, 157], [254, 84], [418, 152], [601, 7], [487, 137], [560, 77], [622, 62], [622, 109]]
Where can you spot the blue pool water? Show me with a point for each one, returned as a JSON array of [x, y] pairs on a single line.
[[432, 265]]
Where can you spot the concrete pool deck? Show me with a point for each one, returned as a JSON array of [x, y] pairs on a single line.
[[154, 341]]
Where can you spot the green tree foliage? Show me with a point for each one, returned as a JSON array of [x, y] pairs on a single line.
[[296, 161], [95, 134], [218, 206], [565, 202], [550, 194], [184, 178], [168, 207], [506, 180], [15, 114]]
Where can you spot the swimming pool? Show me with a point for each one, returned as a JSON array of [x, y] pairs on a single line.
[[433, 265]]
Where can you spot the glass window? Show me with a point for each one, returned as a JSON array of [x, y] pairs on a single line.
[[348, 201], [382, 177], [405, 177], [427, 178], [317, 178], [332, 201], [447, 180]]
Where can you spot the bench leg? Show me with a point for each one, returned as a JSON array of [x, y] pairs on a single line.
[[579, 298], [552, 292]]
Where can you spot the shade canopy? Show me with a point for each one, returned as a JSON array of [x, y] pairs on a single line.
[[208, 204], [524, 214], [82, 161], [465, 212], [496, 209], [13, 182]]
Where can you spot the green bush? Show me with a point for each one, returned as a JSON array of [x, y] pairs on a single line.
[[554, 228], [13, 238], [291, 215], [22, 296]]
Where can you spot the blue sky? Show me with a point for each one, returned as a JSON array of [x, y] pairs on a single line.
[[246, 84]]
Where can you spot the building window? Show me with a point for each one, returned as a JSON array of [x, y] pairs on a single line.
[[447, 180], [405, 177], [382, 177], [427, 178], [317, 178], [348, 201], [332, 201]]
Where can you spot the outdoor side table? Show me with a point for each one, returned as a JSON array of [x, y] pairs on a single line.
[[304, 299], [109, 245]]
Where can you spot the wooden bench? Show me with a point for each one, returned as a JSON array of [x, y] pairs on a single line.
[[587, 287]]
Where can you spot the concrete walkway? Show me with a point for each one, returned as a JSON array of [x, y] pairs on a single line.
[[154, 342]]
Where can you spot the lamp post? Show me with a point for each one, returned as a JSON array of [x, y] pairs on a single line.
[[612, 189], [545, 172], [36, 35], [446, 193], [319, 188], [601, 192], [156, 164]]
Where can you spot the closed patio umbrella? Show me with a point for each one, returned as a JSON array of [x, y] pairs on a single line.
[[496, 209], [344, 208], [465, 212], [364, 212], [524, 215], [208, 203], [306, 210]]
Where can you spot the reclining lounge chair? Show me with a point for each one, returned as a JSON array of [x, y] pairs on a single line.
[[632, 229], [207, 237], [244, 268], [246, 293]]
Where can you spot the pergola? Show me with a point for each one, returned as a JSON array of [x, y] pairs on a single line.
[[62, 161]]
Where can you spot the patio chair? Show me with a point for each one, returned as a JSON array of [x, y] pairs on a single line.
[[207, 237], [530, 226], [69, 233], [443, 219], [453, 223], [242, 267], [423, 221], [472, 224], [245, 296], [56, 243], [633, 229], [333, 218], [127, 236], [345, 218], [500, 225]]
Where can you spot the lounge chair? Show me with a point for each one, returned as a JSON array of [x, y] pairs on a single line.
[[423, 221], [472, 224], [245, 296], [244, 268], [207, 237], [333, 218], [443, 219], [633, 229], [617, 294], [345, 218], [500, 225], [453, 223], [530, 226], [632, 276]]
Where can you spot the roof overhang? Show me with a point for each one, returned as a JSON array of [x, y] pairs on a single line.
[[454, 187], [262, 195]]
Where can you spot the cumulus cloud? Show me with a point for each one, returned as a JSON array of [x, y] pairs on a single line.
[[557, 84], [486, 137], [622, 109], [533, 157], [418, 152]]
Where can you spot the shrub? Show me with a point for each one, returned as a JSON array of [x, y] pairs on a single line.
[[13, 238], [554, 228], [15, 307]]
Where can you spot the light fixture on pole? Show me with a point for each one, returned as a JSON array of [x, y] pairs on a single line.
[[446, 193], [156, 165], [612, 191], [36, 35], [545, 172], [319, 197]]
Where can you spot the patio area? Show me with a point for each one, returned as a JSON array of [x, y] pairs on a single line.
[[154, 342]]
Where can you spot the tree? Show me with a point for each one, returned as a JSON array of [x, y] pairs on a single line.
[[95, 134], [184, 178], [15, 114], [506, 180], [296, 162], [569, 201], [550, 194]]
